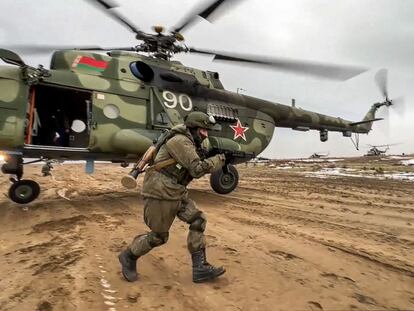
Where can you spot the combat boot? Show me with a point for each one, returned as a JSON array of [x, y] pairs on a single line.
[[202, 270], [129, 265]]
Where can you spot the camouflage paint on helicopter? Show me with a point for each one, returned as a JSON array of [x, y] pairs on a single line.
[[145, 89], [13, 99], [139, 101]]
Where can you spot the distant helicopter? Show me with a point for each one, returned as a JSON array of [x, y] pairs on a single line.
[[375, 151], [112, 106], [259, 160], [318, 155]]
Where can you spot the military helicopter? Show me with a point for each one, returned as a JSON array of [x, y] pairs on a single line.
[[319, 155], [111, 104], [376, 151]]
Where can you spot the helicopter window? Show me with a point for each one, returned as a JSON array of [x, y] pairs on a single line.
[[78, 126], [111, 111], [142, 71], [162, 118]]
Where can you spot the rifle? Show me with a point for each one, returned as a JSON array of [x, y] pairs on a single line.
[[129, 181], [232, 156]]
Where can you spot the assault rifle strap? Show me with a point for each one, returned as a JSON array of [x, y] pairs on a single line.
[[164, 137], [161, 141]]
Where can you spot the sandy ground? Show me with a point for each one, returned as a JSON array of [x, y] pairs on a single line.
[[289, 241]]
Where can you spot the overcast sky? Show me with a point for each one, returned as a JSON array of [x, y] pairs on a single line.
[[372, 33]]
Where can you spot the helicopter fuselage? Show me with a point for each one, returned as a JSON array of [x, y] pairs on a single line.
[[125, 99], [113, 107]]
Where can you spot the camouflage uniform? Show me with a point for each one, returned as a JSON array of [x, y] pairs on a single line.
[[166, 197], [165, 193]]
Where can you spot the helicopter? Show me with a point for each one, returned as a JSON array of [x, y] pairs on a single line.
[[318, 155], [375, 151], [112, 104]]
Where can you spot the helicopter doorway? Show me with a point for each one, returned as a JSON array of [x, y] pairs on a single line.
[[58, 117]]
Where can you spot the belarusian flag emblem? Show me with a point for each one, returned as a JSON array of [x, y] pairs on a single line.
[[89, 63]]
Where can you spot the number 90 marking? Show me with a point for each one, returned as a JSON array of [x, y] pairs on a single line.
[[171, 101]]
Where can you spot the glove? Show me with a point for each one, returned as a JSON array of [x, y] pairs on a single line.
[[222, 157], [218, 161]]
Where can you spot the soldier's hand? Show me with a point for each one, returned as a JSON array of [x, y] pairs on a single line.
[[222, 157], [219, 160]]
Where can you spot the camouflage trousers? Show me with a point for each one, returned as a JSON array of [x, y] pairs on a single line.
[[159, 216]]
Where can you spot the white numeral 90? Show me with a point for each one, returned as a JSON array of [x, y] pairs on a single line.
[[171, 101]]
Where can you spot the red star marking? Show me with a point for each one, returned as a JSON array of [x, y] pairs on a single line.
[[239, 130]]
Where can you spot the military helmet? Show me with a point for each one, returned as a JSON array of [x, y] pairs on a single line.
[[199, 119]]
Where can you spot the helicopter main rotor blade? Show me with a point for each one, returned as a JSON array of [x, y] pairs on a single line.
[[330, 71], [108, 9], [381, 78], [42, 49], [385, 145], [204, 13]]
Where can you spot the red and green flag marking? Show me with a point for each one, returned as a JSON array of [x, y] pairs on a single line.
[[89, 63]]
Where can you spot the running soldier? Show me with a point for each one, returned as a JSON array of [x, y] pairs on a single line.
[[166, 197]]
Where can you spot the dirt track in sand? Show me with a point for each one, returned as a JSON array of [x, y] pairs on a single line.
[[289, 242]]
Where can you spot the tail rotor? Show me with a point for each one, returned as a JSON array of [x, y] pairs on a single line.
[[397, 104]]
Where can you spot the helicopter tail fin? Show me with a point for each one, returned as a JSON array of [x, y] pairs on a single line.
[[366, 124]]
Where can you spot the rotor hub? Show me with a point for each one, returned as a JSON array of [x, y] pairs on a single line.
[[158, 29]]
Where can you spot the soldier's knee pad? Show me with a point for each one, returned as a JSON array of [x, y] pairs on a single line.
[[199, 223], [157, 238]]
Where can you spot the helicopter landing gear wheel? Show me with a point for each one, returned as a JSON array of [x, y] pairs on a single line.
[[224, 181], [24, 191]]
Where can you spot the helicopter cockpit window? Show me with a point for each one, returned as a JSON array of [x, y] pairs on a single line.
[[142, 71], [111, 111]]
